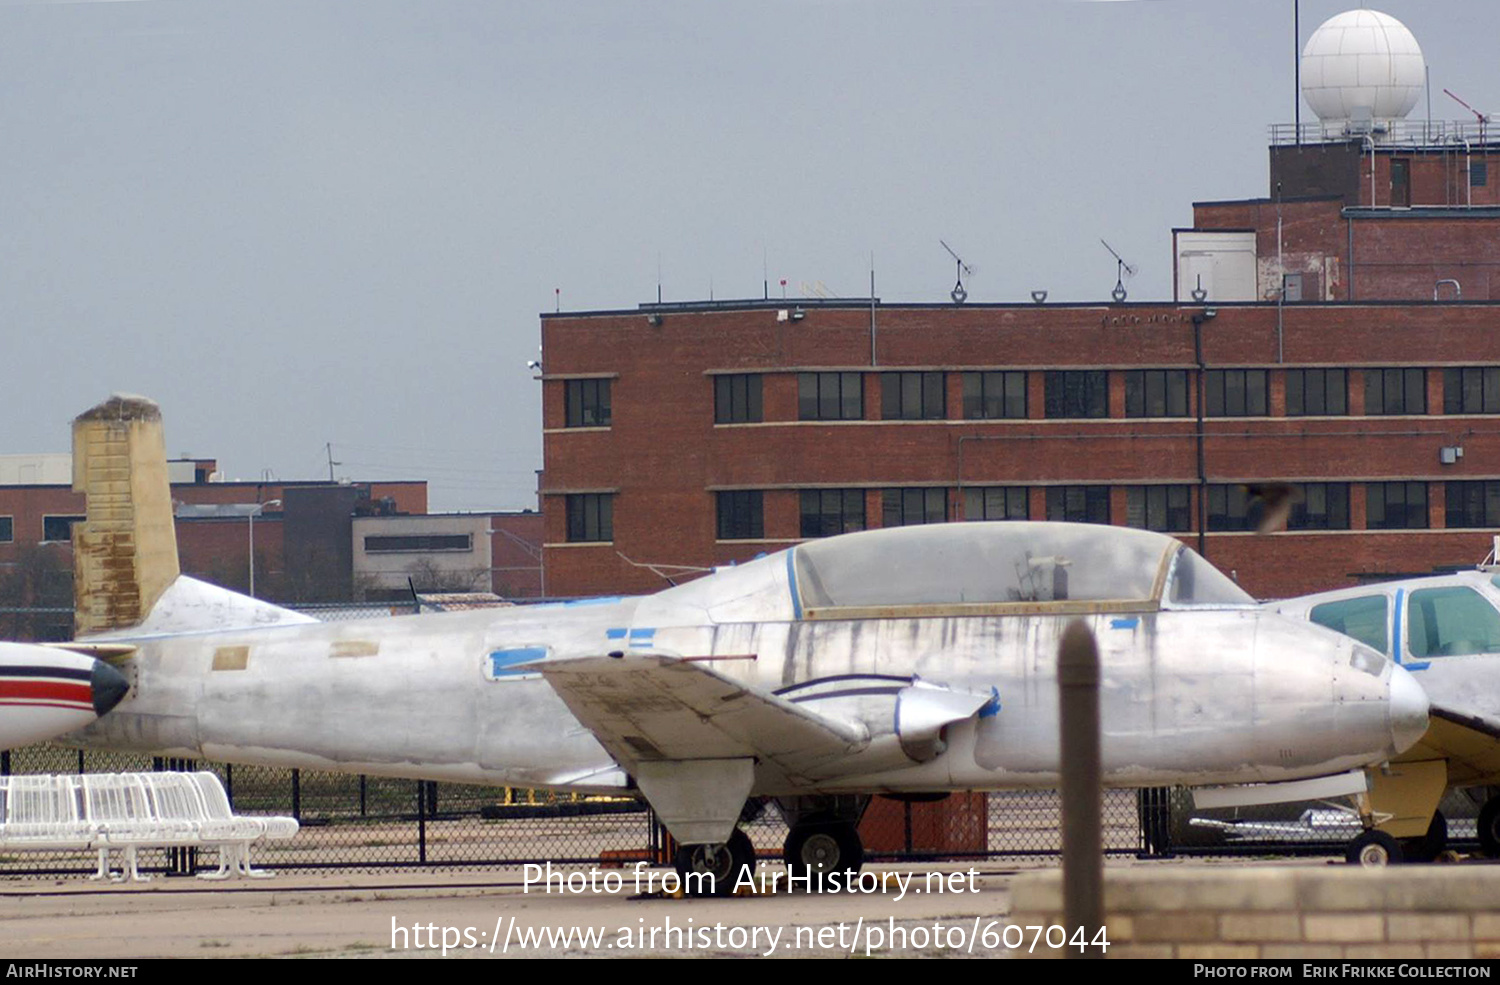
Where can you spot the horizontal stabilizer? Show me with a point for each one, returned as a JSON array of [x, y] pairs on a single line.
[[649, 707], [193, 606]]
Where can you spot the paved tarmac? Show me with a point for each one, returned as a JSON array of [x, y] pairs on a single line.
[[493, 913]]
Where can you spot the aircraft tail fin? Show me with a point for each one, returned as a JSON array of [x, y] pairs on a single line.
[[125, 550]]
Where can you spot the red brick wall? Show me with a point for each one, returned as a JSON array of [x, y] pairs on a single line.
[[667, 459]]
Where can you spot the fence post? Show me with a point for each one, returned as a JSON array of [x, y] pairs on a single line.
[[362, 811], [421, 823], [297, 794], [5, 763]]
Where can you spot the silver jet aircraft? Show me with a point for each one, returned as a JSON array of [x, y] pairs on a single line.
[[905, 661]]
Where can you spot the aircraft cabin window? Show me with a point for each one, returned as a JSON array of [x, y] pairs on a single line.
[[1363, 618], [1451, 621]]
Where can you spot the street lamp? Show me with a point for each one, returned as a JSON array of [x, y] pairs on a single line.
[[259, 508]]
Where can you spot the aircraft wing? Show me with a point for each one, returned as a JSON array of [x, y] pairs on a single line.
[[1466, 740], [650, 707]]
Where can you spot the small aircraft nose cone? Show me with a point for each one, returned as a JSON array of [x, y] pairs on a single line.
[[1408, 709], [109, 686]]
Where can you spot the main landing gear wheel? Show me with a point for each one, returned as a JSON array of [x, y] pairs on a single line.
[[1428, 847], [1374, 849], [1489, 827], [725, 863], [824, 849]]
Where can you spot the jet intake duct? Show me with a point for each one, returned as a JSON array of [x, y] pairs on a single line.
[[924, 710]]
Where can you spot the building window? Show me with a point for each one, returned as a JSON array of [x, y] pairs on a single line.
[[418, 543], [1228, 508], [1473, 504], [1316, 392], [912, 397], [1077, 393], [1323, 506], [1396, 505], [1479, 173], [1471, 390], [741, 515], [1156, 393], [1396, 391], [737, 399], [7, 529], [994, 395], [591, 517], [907, 507], [1235, 393], [1163, 508], [59, 528], [588, 403], [1078, 504], [997, 503], [830, 396], [826, 512]]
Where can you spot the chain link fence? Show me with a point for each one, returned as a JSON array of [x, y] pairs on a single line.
[[366, 823]]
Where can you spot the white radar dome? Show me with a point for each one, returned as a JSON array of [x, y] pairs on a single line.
[[1362, 65]]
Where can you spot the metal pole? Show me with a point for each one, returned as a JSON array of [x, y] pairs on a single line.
[[252, 555], [1202, 468], [1083, 842]]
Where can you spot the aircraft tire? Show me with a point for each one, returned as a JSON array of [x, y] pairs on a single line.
[[825, 848], [1489, 827], [726, 863], [1428, 847], [1374, 850]]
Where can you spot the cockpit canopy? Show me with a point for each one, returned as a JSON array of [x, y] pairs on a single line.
[[965, 568], [986, 564]]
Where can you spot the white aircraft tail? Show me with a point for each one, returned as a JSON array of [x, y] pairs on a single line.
[[125, 550]]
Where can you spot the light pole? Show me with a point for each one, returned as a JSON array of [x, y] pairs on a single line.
[[259, 508]]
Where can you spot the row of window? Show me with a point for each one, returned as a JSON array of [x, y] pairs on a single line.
[[1001, 394], [55, 527], [1167, 508]]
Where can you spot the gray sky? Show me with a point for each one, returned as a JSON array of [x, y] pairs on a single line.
[[317, 221]]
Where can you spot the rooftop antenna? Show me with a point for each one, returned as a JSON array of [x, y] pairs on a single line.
[[958, 294], [1483, 118], [1122, 271]]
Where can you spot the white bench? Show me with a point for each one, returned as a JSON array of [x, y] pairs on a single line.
[[106, 812]]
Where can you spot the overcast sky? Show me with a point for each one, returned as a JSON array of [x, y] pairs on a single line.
[[313, 221]]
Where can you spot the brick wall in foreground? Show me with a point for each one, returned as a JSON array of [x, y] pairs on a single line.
[[1213, 912]]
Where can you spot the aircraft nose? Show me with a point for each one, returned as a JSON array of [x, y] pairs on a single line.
[[1408, 709], [109, 687]]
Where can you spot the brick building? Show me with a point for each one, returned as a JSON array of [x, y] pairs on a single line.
[[1341, 334]]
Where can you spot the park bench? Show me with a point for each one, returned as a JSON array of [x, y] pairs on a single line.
[[107, 812]]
